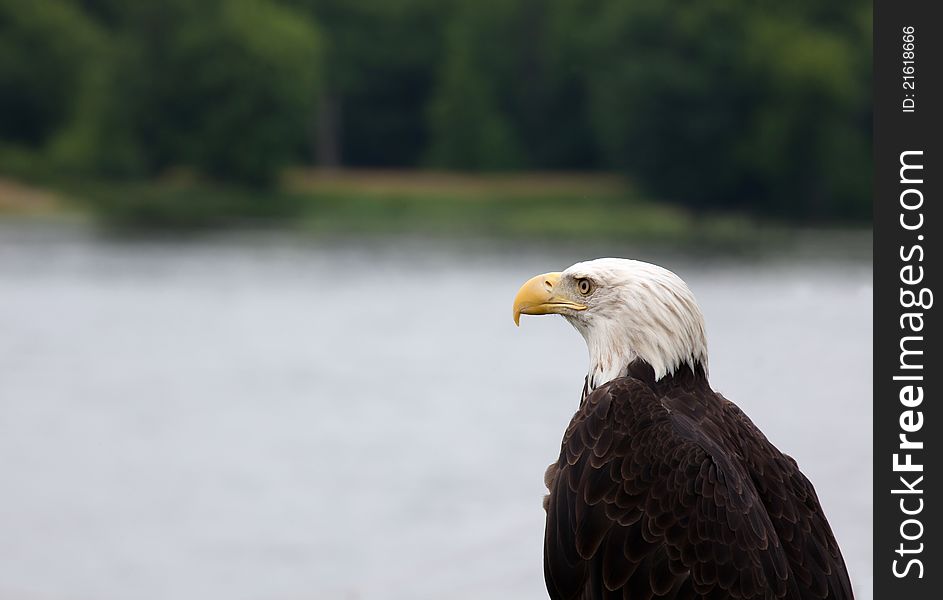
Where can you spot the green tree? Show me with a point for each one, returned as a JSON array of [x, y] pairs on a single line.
[[471, 128], [510, 92], [379, 70], [720, 104], [734, 104], [225, 87], [44, 50]]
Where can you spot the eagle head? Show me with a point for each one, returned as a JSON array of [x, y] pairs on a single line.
[[625, 310]]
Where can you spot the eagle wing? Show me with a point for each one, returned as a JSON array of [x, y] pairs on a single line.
[[647, 502], [815, 560]]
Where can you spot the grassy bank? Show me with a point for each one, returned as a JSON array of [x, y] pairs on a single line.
[[436, 204]]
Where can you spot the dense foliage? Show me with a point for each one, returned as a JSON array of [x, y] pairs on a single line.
[[708, 103]]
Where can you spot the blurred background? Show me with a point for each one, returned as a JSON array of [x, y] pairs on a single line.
[[257, 259]]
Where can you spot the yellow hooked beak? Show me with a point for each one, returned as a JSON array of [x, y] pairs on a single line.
[[540, 296]]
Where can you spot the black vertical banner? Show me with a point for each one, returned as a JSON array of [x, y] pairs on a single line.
[[908, 370]]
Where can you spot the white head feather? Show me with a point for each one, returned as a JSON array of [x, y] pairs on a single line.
[[637, 310]]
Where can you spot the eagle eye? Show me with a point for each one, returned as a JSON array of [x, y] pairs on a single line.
[[585, 286]]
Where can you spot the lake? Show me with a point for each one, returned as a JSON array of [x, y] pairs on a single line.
[[263, 416]]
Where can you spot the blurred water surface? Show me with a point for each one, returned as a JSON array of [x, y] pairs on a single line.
[[261, 417]]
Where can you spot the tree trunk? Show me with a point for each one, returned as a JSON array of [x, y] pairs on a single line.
[[328, 131]]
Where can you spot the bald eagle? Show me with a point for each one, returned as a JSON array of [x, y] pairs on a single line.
[[663, 487]]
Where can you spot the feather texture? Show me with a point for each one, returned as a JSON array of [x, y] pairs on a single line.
[[664, 489]]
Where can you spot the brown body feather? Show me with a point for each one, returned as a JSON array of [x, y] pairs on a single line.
[[667, 490]]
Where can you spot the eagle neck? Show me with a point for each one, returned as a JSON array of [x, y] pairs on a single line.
[[690, 375]]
